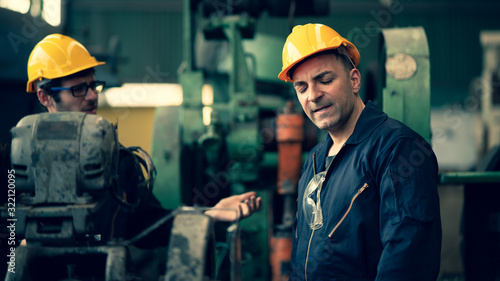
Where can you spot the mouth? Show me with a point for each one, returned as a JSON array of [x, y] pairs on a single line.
[[321, 109], [91, 110]]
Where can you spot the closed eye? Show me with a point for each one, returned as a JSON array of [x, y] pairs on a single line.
[[300, 87], [325, 77], [326, 81]]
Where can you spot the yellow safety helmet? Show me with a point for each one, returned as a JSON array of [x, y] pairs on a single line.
[[306, 40], [57, 56]]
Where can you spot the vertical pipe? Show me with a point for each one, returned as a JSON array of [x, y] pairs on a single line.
[[289, 135], [188, 45]]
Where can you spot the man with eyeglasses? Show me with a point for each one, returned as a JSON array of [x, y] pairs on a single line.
[[61, 72], [368, 206], [78, 98]]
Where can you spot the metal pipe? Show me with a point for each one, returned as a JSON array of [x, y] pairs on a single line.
[[188, 46], [469, 177]]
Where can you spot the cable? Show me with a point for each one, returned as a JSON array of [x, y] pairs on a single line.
[[148, 164], [143, 188]]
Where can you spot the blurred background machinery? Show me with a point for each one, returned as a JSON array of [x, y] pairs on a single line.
[[195, 84]]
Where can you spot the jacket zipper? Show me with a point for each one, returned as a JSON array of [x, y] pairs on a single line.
[[296, 233], [307, 256], [365, 186], [312, 233]]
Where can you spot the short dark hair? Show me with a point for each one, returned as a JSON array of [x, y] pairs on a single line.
[[345, 60], [57, 82]]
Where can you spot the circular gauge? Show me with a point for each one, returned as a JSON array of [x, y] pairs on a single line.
[[401, 66]]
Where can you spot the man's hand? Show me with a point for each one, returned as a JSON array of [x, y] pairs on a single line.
[[243, 205]]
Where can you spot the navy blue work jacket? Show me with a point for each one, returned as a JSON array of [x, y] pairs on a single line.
[[380, 207]]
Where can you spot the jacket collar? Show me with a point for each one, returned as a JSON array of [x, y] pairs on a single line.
[[369, 120]]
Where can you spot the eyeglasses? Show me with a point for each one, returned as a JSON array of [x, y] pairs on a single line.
[[311, 203], [81, 90]]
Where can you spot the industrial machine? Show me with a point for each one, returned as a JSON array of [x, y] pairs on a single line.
[[404, 86], [63, 166]]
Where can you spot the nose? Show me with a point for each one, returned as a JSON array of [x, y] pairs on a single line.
[[91, 94], [314, 93]]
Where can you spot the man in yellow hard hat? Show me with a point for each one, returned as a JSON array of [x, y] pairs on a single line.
[[61, 72], [368, 206]]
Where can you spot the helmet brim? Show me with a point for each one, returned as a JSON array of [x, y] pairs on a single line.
[[31, 85], [284, 75]]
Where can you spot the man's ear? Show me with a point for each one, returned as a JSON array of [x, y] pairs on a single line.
[[355, 77], [45, 99]]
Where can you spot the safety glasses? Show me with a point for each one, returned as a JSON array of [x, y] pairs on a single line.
[[311, 203], [81, 90]]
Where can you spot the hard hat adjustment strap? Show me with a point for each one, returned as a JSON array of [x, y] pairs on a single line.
[[342, 50]]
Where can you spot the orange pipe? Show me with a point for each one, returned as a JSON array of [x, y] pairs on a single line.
[[289, 135]]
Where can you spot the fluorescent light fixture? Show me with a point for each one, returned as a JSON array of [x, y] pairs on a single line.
[[207, 94], [143, 95], [207, 115], [51, 12], [149, 95], [21, 6]]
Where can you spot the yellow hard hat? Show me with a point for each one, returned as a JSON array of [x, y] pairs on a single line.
[[306, 40], [57, 56]]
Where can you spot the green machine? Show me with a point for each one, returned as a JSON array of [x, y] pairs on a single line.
[[201, 163], [404, 92], [405, 83], [231, 136]]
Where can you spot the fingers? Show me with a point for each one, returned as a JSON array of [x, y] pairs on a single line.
[[250, 205], [245, 204], [258, 203], [247, 195], [241, 214]]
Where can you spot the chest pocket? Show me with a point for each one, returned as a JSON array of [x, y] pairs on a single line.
[[347, 212]]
